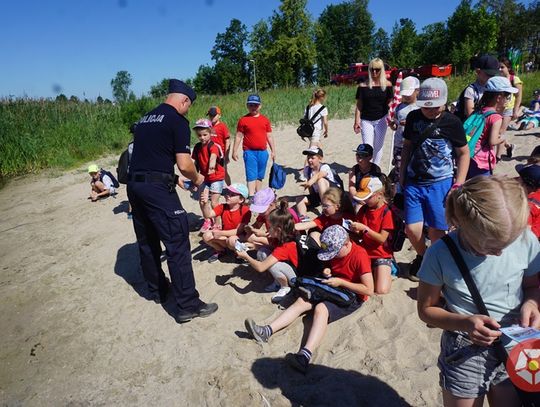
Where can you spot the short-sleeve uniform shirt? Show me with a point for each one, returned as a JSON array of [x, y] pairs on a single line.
[[160, 135]]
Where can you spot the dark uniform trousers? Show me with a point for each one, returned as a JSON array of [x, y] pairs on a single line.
[[158, 216]]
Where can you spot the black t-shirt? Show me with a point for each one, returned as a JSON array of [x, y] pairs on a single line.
[[374, 101], [160, 135], [431, 160]]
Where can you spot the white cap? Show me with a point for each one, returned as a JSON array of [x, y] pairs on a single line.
[[409, 85]]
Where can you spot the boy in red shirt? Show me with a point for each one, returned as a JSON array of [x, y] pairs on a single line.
[[235, 215], [530, 177], [208, 157], [348, 267], [221, 136], [254, 132], [374, 223]]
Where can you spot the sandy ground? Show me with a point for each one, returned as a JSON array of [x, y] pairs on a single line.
[[76, 329]]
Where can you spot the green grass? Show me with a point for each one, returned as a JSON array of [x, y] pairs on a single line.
[[39, 134]]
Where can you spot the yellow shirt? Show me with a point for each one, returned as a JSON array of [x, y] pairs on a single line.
[[510, 104]]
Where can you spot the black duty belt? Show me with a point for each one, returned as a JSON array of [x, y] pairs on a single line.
[[151, 177]]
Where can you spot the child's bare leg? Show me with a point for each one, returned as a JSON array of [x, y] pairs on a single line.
[[318, 328], [287, 317], [251, 187], [450, 400], [503, 394], [301, 205], [216, 244], [415, 233], [203, 198], [323, 185], [383, 279]]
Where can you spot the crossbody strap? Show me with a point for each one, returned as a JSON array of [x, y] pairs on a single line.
[[316, 113]]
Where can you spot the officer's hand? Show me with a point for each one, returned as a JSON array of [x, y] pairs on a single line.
[[200, 180]]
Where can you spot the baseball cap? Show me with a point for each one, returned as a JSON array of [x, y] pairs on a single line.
[[409, 85], [93, 168], [238, 188], [214, 111], [500, 84], [364, 150], [488, 64], [177, 86], [203, 124], [333, 238], [253, 100], [530, 174], [313, 151], [433, 93], [368, 186], [262, 200]]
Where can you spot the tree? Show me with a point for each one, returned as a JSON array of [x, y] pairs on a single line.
[[381, 45], [160, 89], [433, 44], [403, 44], [61, 98], [363, 26], [120, 86], [205, 80], [510, 18], [260, 41], [231, 58], [99, 100], [74, 99]]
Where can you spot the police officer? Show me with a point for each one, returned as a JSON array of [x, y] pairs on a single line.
[[162, 139]]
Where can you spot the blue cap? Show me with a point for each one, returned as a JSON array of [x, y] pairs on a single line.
[[254, 99], [177, 86], [499, 84], [530, 174]]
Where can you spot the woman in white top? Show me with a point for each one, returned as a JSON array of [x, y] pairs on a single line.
[[320, 121]]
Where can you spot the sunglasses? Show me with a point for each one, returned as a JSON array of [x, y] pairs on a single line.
[[375, 69]]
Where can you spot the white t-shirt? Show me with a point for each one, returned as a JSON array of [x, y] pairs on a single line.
[[107, 181], [318, 120], [401, 114], [324, 167]]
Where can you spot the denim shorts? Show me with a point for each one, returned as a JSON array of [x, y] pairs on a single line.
[[426, 203], [255, 163], [468, 370], [216, 187]]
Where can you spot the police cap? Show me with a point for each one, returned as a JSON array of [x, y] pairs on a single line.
[[177, 86]]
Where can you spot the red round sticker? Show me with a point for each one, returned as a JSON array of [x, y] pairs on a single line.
[[523, 365]]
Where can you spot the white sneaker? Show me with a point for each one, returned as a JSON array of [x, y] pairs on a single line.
[[272, 288], [282, 292]]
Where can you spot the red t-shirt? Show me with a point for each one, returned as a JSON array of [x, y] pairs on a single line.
[[222, 135], [264, 219], [201, 155], [377, 220], [352, 266], [324, 221], [255, 130], [232, 219], [287, 252], [534, 215]]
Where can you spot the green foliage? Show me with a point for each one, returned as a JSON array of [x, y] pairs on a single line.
[[160, 89], [433, 44], [404, 44], [381, 45], [120, 86]]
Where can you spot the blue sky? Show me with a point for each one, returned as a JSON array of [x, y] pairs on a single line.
[[76, 47]]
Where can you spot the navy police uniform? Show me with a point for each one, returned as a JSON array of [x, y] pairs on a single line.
[[158, 214]]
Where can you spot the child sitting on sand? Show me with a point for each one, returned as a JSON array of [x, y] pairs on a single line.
[[234, 217], [348, 267], [281, 259], [335, 207], [530, 177], [263, 203], [102, 183], [489, 215], [374, 223], [363, 167]]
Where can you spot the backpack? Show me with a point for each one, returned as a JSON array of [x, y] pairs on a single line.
[[396, 237], [309, 264], [277, 176], [314, 290], [307, 125], [103, 172], [460, 106], [474, 127], [337, 178], [122, 170], [219, 161]]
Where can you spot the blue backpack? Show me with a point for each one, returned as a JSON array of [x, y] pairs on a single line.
[[277, 176], [474, 127]]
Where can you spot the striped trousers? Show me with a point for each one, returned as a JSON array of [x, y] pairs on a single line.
[[373, 132]]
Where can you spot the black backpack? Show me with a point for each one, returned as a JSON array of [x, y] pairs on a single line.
[[122, 170], [307, 125], [103, 172], [460, 106], [309, 264], [219, 161]]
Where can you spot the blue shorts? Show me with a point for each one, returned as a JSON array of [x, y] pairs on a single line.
[[216, 187], [255, 162], [426, 203], [474, 170], [335, 312]]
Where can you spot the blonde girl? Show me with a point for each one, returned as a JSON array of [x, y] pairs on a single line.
[[372, 104], [489, 215]]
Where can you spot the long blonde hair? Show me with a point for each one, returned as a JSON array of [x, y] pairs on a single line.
[[489, 212], [317, 95], [378, 63]]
